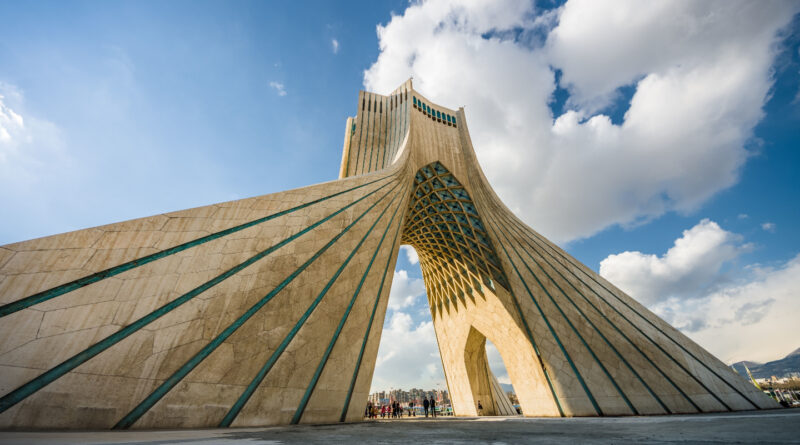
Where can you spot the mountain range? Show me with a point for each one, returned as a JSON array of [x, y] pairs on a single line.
[[778, 368]]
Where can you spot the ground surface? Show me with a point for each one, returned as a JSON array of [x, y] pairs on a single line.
[[775, 426]]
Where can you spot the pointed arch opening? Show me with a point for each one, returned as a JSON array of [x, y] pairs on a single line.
[[470, 300], [487, 393]]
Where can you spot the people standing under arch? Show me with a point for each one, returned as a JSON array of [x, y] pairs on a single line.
[[433, 407], [426, 404]]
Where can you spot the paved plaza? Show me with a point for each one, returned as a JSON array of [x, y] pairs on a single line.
[[762, 427]]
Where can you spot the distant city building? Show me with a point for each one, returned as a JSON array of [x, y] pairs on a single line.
[[415, 395]]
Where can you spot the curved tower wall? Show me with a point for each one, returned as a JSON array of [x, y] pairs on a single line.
[[268, 310]]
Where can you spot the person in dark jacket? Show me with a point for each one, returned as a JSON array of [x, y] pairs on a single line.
[[426, 404], [433, 407]]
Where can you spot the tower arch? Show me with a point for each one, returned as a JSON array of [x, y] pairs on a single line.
[[268, 310], [466, 286]]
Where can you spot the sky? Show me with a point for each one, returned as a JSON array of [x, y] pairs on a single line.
[[657, 142]]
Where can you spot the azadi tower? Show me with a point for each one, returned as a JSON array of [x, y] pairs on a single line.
[[268, 310]]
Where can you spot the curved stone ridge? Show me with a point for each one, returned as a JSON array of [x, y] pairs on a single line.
[[268, 310], [455, 253]]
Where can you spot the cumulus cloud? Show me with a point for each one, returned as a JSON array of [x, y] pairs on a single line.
[[700, 73], [408, 356], [30, 147], [753, 320], [411, 254], [689, 268], [496, 363], [744, 319], [405, 290], [11, 123], [278, 87], [769, 227], [335, 46]]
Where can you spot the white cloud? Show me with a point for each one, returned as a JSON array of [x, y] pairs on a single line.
[[411, 254], [405, 291], [689, 268], [34, 162], [769, 227], [30, 148], [701, 73], [749, 321], [408, 356], [11, 123], [278, 86], [335, 46], [496, 363], [743, 216], [735, 320], [797, 96]]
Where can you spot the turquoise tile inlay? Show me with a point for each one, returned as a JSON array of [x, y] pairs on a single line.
[[600, 333], [555, 337], [659, 347], [64, 367], [176, 377], [248, 392], [301, 408], [577, 333], [43, 296]]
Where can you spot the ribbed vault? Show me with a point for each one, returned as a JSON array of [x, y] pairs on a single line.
[[455, 253]]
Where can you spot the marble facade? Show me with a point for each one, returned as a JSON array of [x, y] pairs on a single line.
[[268, 310]]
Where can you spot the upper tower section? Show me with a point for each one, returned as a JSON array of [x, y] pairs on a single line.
[[380, 131]]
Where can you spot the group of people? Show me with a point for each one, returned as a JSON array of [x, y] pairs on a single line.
[[394, 410]]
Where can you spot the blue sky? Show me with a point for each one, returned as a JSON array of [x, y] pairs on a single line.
[[117, 110], [167, 106]]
